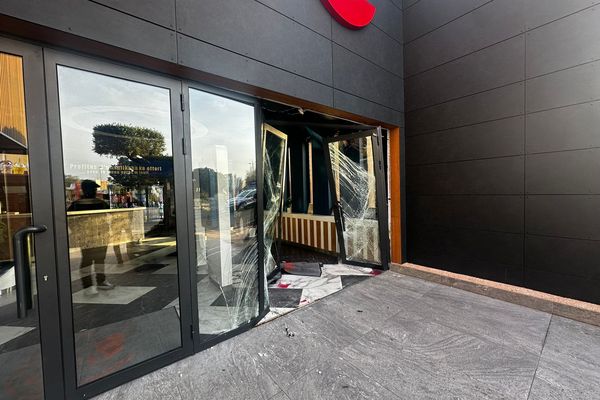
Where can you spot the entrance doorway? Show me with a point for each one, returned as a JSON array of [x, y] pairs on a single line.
[[331, 192]]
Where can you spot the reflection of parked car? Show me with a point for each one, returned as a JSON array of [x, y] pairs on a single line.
[[243, 197], [244, 215]]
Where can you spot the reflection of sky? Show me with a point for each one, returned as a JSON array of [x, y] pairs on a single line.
[[218, 121], [88, 99]]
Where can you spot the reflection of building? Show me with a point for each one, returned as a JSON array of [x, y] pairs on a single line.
[[15, 211]]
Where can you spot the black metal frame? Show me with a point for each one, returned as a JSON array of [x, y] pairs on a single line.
[[52, 60], [39, 167], [381, 201], [263, 307]]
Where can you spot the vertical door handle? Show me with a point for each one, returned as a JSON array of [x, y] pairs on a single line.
[[22, 269]]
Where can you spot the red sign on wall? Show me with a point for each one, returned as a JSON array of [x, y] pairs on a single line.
[[353, 14]]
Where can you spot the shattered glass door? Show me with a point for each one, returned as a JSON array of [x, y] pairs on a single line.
[[274, 159], [224, 181], [357, 186]]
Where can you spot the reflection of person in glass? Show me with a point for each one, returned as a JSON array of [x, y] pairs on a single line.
[[95, 255]]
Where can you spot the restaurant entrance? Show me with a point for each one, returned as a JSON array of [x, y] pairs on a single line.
[[133, 217]]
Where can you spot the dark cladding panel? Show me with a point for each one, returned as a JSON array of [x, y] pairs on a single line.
[[406, 3], [372, 44], [160, 12], [199, 55], [491, 213], [540, 12], [567, 128], [388, 18], [495, 104], [308, 13], [494, 176], [486, 69], [362, 78], [253, 30], [97, 22], [567, 172], [570, 41], [492, 23], [566, 216], [500, 138], [563, 285], [578, 258], [571, 86], [359, 106], [488, 255], [428, 15]]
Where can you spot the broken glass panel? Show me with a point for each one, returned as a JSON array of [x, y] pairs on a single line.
[[274, 158], [224, 186], [352, 164]]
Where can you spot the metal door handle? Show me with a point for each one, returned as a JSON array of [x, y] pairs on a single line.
[[22, 270]]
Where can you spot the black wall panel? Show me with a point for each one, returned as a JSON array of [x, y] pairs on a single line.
[[479, 71], [499, 103], [566, 42], [387, 17], [374, 45], [564, 172], [575, 85], [565, 216], [281, 45], [498, 176], [209, 58], [161, 12], [503, 110], [359, 76], [498, 138], [253, 30], [540, 12], [469, 212], [484, 26], [97, 22], [311, 14], [427, 15], [565, 128]]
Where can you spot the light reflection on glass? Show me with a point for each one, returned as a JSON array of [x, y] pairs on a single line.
[[120, 199], [224, 183]]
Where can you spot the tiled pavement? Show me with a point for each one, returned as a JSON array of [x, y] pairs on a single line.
[[392, 337]]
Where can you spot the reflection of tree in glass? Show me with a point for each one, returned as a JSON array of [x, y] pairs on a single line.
[[128, 141], [141, 161]]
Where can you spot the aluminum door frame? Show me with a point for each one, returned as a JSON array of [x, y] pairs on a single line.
[[40, 198], [52, 60], [380, 197], [263, 305]]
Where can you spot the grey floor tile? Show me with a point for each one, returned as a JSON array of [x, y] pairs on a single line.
[[229, 369], [287, 358], [159, 385], [570, 363], [362, 308], [280, 396], [337, 380], [398, 283], [505, 323], [429, 360]]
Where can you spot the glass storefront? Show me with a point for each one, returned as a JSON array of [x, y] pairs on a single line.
[[120, 205]]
